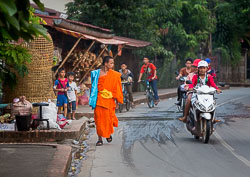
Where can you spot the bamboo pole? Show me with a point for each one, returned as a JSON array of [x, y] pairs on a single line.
[[83, 55], [66, 58], [92, 65]]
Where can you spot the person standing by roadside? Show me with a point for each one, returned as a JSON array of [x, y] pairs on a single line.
[[61, 86], [106, 88], [72, 96], [150, 70], [127, 76]]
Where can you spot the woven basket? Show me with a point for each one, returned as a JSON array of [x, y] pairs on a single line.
[[37, 86]]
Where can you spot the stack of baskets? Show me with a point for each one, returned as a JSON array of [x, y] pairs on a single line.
[[37, 85]]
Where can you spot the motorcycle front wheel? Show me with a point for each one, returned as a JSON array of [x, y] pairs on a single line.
[[206, 130]]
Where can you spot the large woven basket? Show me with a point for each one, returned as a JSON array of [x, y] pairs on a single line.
[[37, 86]]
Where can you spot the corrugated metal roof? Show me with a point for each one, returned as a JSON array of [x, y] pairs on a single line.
[[111, 41], [134, 43], [49, 21], [129, 42]]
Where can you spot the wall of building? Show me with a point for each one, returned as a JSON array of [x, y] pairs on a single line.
[[232, 74]]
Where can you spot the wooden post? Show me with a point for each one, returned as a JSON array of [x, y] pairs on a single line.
[[117, 53], [66, 58], [92, 65], [83, 55]]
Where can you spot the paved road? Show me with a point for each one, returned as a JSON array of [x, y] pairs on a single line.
[[152, 143]]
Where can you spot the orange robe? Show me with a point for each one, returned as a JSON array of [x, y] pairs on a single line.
[[104, 113]]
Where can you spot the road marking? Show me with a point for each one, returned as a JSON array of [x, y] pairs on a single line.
[[231, 101], [224, 143]]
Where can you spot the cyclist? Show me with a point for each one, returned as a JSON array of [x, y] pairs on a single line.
[[184, 72], [150, 70], [127, 76], [201, 78]]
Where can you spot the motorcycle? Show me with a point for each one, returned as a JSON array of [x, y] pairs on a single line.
[[202, 112], [181, 106]]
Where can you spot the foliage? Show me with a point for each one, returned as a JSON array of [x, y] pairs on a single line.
[[232, 26], [17, 22]]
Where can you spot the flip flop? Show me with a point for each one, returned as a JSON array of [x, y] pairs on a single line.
[[99, 143], [109, 140]]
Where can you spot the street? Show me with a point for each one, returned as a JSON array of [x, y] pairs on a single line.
[[153, 143]]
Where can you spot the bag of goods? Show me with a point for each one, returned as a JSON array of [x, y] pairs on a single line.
[[62, 121], [21, 107], [83, 100], [49, 112]]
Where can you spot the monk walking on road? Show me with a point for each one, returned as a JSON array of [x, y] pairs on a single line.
[[106, 88]]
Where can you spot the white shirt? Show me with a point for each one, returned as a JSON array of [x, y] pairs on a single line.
[[71, 92]]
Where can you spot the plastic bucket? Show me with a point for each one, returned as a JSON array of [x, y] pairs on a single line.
[[23, 123]]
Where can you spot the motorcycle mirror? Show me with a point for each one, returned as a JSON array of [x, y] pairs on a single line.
[[189, 82], [182, 79], [217, 72], [222, 84]]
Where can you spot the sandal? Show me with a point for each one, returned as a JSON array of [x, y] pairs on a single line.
[[99, 143], [109, 140]]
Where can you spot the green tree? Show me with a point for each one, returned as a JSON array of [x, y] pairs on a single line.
[[17, 22], [233, 23]]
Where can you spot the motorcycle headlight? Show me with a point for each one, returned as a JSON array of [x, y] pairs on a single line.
[[210, 108], [200, 106]]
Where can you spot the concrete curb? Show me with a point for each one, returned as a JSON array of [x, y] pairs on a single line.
[[61, 160], [36, 136]]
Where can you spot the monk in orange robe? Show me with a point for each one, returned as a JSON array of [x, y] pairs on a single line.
[[109, 90]]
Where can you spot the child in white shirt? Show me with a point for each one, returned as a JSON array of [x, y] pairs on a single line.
[[72, 96]]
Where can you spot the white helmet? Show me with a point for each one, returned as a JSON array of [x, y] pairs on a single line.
[[202, 63]]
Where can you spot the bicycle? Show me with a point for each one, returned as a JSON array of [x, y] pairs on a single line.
[[126, 101], [149, 94]]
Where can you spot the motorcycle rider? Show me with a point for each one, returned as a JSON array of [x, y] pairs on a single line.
[[185, 71], [127, 76], [210, 70], [195, 69], [201, 78]]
